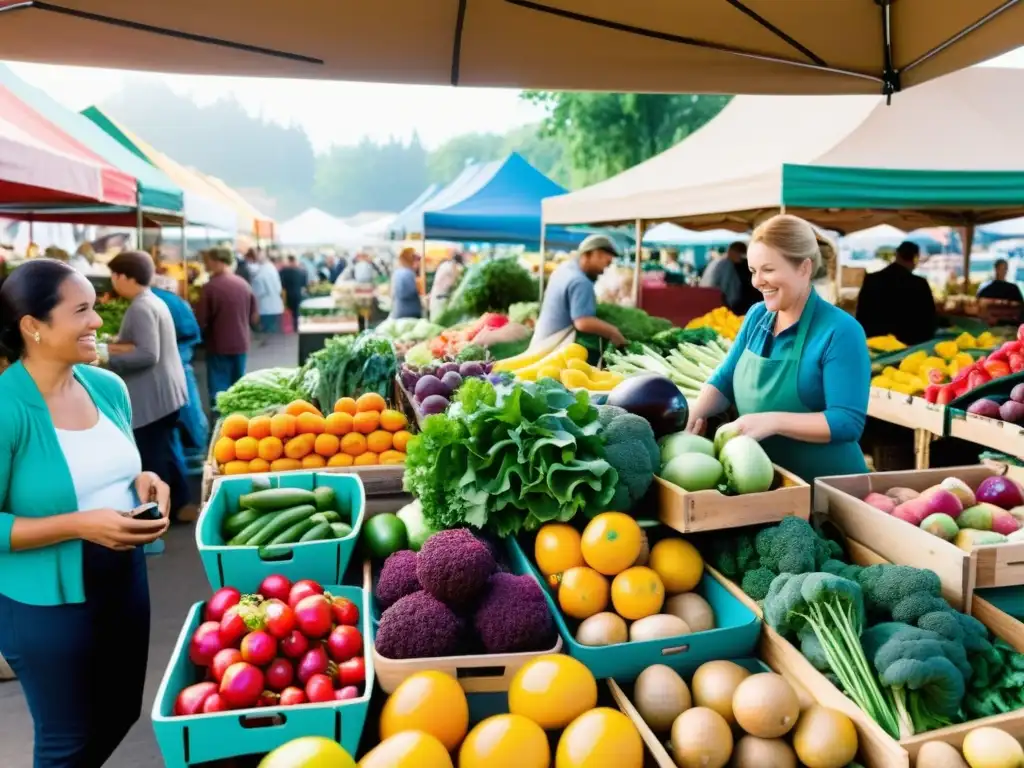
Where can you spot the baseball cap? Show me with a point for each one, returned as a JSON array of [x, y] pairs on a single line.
[[598, 243]]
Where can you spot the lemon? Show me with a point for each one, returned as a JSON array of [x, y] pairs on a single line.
[[506, 741], [552, 691], [408, 749], [599, 738], [637, 593], [309, 752], [678, 563], [431, 702]]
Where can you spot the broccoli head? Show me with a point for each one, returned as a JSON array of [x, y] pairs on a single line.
[[913, 607], [630, 447], [732, 555], [757, 582], [792, 546], [943, 623], [886, 585]]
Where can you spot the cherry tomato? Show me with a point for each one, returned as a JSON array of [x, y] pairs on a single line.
[[353, 671], [320, 688], [279, 618], [344, 642], [345, 611]]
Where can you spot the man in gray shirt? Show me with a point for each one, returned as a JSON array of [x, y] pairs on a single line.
[[569, 299], [723, 275]]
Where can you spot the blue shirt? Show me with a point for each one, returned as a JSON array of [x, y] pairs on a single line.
[[405, 295], [186, 327], [569, 295], [834, 376]]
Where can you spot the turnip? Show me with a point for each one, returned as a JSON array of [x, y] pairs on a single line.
[[1001, 491], [433, 405], [452, 381], [984, 407], [1012, 411]]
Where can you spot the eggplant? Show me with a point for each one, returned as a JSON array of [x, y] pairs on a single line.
[[656, 399]]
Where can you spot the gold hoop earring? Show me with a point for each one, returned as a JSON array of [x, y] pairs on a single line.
[[37, 337]]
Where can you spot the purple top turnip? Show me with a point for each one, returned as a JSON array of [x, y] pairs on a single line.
[[433, 405], [452, 381], [427, 386]]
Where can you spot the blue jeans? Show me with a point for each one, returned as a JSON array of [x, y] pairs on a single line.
[[192, 422], [83, 666], [270, 323], [221, 372]]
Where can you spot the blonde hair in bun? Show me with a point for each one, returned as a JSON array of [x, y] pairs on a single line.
[[797, 241]]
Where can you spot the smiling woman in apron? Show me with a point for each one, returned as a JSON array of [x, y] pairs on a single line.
[[798, 372]]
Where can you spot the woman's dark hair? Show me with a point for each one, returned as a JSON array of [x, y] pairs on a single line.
[[32, 290], [138, 265]]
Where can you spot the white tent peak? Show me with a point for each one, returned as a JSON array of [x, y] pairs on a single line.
[[316, 227]]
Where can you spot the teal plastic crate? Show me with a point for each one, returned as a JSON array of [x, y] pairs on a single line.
[[735, 636], [245, 567], [187, 741]]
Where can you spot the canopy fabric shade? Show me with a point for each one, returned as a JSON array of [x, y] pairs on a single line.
[[313, 227], [844, 162], [156, 193], [250, 219], [711, 46], [672, 235], [411, 216]]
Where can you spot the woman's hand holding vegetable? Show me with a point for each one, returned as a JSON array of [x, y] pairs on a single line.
[[756, 425], [150, 487], [114, 530]]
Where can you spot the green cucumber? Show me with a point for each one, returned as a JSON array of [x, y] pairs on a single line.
[[260, 483], [241, 539], [341, 530], [325, 498], [236, 523], [319, 532], [274, 499], [291, 534], [279, 523], [330, 516]]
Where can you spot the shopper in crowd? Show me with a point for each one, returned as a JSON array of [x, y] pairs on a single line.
[[405, 293], [74, 597], [446, 278], [999, 287], [294, 281], [146, 356], [242, 268], [332, 268], [722, 274], [569, 297], [361, 270], [749, 295], [898, 302], [227, 308], [266, 286], [798, 372]]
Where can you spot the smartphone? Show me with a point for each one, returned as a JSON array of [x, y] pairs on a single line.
[[147, 511]]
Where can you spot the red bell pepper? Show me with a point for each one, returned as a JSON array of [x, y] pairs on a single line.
[[1016, 363], [945, 394], [997, 368], [964, 372], [977, 378], [1002, 355], [931, 393]]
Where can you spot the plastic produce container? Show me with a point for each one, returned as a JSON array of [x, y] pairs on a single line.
[[196, 739], [246, 567], [735, 636]]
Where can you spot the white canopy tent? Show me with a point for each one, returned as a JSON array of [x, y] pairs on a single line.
[[314, 227]]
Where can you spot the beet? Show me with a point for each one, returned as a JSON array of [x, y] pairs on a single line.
[[427, 386], [1012, 411], [984, 407], [1017, 393]]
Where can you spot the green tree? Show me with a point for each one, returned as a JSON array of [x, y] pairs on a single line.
[[370, 176], [544, 152], [606, 133]]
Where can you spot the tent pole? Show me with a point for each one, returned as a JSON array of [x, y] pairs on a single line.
[[540, 275], [968, 237], [639, 260], [139, 225]]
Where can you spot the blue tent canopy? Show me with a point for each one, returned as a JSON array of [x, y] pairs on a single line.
[[496, 202], [405, 220]]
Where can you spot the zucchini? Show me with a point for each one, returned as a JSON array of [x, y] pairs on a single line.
[[341, 530], [236, 523], [279, 523], [242, 537], [319, 532], [274, 499], [325, 498], [330, 516], [292, 533]]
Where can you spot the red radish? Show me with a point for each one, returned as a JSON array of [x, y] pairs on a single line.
[[242, 685], [320, 688], [224, 659], [222, 599], [315, 662], [215, 703], [348, 692], [291, 696], [275, 587], [353, 671], [205, 643], [279, 618], [303, 589], [232, 627], [268, 699], [344, 643], [259, 648], [280, 674], [191, 700], [295, 645], [344, 611], [313, 616]]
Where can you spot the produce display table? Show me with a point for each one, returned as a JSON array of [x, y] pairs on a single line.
[[314, 332], [927, 420]]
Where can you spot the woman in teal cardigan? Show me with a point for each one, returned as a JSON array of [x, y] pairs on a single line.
[[74, 599]]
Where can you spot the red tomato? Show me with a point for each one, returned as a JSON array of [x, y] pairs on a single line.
[[345, 611], [313, 616], [303, 589], [291, 696], [224, 659], [344, 643], [348, 692], [259, 648], [232, 627], [353, 671], [279, 618], [215, 703], [295, 645], [320, 688], [275, 587], [279, 674], [219, 602]]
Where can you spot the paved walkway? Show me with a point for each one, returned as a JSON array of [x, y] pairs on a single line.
[[176, 581]]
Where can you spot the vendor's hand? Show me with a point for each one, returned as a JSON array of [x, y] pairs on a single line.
[[617, 339], [115, 530], [696, 426], [150, 487], [755, 425]]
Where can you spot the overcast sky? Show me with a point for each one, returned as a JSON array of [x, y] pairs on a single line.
[[331, 112]]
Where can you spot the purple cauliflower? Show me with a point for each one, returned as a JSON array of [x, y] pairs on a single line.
[[418, 626], [397, 578], [514, 617], [454, 566]]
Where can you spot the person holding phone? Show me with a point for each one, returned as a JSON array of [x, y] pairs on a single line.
[[74, 597]]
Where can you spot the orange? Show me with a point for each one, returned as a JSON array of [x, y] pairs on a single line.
[[353, 444], [313, 461], [405, 748], [338, 424], [235, 426], [326, 445], [259, 427], [340, 460], [582, 592], [295, 407], [299, 446], [259, 465], [401, 440], [392, 457], [367, 459], [310, 424], [371, 401], [224, 450], [392, 420], [282, 426], [366, 422], [637, 592], [270, 448], [678, 563], [557, 548], [503, 741], [285, 465], [378, 441], [247, 448], [235, 468], [429, 701], [600, 737], [346, 405], [611, 542], [552, 691]]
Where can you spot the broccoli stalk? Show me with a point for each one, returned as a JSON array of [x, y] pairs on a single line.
[[833, 609]]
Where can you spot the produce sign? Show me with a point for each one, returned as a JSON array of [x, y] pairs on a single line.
[[288, 645], [567, 364], [433, 386], [257, 392], [286, 516], [359, 432], [688, 363]]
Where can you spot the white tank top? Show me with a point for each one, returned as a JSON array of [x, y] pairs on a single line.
[[104, 464]]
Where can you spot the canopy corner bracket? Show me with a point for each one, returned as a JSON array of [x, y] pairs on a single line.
[[890, 75]]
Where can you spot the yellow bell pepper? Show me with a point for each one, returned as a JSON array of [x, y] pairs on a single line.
[[966, 341], [947, 349]]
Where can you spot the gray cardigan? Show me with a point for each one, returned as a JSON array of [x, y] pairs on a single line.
[[153, 370]]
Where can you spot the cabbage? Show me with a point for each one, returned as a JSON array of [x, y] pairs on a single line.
[[747, 467], [419, 356]]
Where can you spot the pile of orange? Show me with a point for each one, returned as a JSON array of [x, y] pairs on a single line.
[[359, 432]]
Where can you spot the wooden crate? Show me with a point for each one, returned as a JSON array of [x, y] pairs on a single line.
[[408, 404], [961, 572], [906, 411], [696, 511], [991, 433]]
